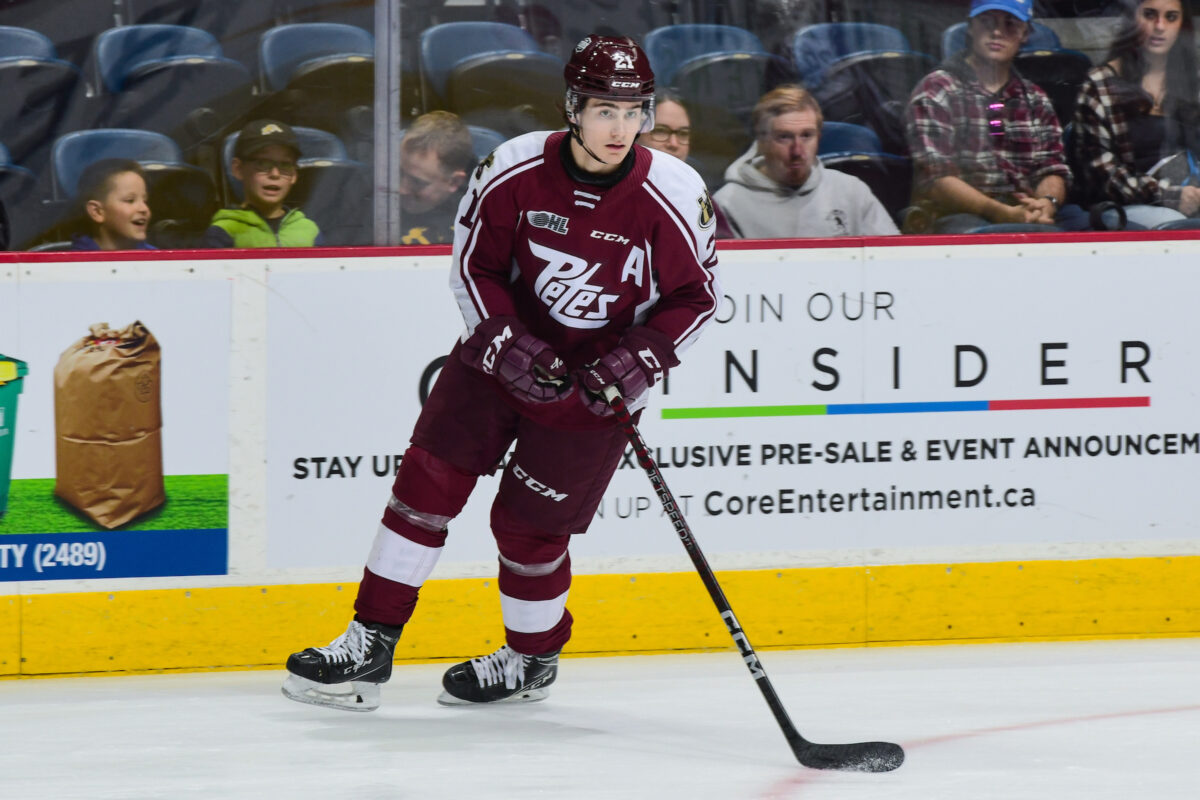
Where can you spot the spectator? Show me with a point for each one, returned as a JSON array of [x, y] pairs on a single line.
[[436, 156], [113, 207], [672, 133], [986, 145], [780, 189], [1138, 107], [265, 161]]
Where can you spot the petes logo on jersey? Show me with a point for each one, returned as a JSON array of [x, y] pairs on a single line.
[[547, 220], [563, 286]]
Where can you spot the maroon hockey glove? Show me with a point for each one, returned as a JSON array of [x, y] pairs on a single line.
[[521, 362], [633, 366]]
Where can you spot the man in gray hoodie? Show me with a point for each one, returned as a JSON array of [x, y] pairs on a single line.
[[779, 189]]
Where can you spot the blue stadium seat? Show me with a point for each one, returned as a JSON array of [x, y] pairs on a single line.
[[314, 73], [17, 199], [484, 141], [491, 74], [169, 78], [670, 47], [291, 55], [183, 197], [238, 25], [36, 86], [331, 188], [1043, 60], [857, 150], [815, 48]]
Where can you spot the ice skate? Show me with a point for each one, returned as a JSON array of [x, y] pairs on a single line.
[[346, 674], [505, 676]]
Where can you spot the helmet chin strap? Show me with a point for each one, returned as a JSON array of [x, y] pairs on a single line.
[[575, 133]]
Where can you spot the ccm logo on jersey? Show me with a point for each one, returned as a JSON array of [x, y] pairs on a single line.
[[610, 237], [536, 485], [493, 349]]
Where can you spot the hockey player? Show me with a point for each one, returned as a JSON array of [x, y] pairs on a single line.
[[581, 261]]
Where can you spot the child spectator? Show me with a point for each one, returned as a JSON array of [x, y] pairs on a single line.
[[264, 160], [113, 207], [1137, 108]]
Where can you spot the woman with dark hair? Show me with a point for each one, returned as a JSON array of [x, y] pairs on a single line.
[[1137, 109]]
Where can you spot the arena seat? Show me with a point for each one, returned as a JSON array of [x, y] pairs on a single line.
[[172, 79], [857, 150], [183, 197], [36, 86], [491, 74]]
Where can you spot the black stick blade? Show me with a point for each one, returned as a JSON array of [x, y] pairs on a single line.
[[858, 757]]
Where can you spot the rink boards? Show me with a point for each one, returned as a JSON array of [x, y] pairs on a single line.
[[874, 444]]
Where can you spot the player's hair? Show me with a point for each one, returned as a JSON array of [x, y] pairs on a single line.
[[783, 100], [445, 134]]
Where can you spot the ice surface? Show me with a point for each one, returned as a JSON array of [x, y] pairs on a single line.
[[1092, 720]]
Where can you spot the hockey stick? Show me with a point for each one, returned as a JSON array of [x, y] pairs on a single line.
[[857, 757]]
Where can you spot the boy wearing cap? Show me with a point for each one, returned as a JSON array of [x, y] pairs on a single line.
[[986, 144], [264, 160]]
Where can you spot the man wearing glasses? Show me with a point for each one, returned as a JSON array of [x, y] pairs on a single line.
[[986, 144], [264, 160]]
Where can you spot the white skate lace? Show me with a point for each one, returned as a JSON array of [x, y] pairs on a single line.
[[352, 645], [504, 664]]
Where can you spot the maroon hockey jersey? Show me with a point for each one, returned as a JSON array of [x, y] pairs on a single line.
[[580, 265]]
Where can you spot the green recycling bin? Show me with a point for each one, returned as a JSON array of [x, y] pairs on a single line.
[[12, 374]]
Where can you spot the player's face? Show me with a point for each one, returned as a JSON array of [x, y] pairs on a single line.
[[424, 182], [608, 128], [672, 130], [267, 176], [789, 147], [1159, 22], [123, 215], [996, 36]]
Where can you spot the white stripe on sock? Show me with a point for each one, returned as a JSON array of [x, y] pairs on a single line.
[[401, 560], [532, 616]]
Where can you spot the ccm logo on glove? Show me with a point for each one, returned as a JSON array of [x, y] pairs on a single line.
[[522, 363], [488, 362]]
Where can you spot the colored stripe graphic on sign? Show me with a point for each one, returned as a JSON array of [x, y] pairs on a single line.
[[841, 409]]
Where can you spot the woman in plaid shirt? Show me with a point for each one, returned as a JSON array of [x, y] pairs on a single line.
[[985, 143], [1137, 108]]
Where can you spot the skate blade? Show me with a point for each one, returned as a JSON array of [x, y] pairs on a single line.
[[351, 696], [527, 696]]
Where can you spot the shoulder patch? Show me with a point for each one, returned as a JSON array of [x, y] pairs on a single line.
[[707, 215], [485, 164]]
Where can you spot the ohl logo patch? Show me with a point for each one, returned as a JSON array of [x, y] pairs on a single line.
[[563, 286]]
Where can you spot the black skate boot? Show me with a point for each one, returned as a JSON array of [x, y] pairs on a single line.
[[505, 676], [347, 673]]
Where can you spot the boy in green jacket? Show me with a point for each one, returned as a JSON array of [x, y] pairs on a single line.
[[264, 160]]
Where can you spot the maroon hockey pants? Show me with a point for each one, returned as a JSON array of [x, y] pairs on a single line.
[[550, 488]]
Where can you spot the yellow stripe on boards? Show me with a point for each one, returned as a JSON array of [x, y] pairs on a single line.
[[257, 626]]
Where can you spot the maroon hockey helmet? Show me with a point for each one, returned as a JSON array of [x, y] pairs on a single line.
[[609, 68]]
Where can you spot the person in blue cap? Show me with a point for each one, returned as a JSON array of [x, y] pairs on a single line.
[[986, 144]]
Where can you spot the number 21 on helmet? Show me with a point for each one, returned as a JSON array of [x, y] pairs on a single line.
[[609, 68]]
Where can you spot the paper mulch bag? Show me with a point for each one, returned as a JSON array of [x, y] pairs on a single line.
[[108, 424]]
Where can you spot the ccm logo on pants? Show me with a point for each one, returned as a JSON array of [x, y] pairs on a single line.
[[537, 485]]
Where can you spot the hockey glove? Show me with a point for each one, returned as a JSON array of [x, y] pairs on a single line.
[[633, 366], [521, 362]]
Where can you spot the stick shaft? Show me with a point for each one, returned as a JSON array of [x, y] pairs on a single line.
[[671, 507]]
